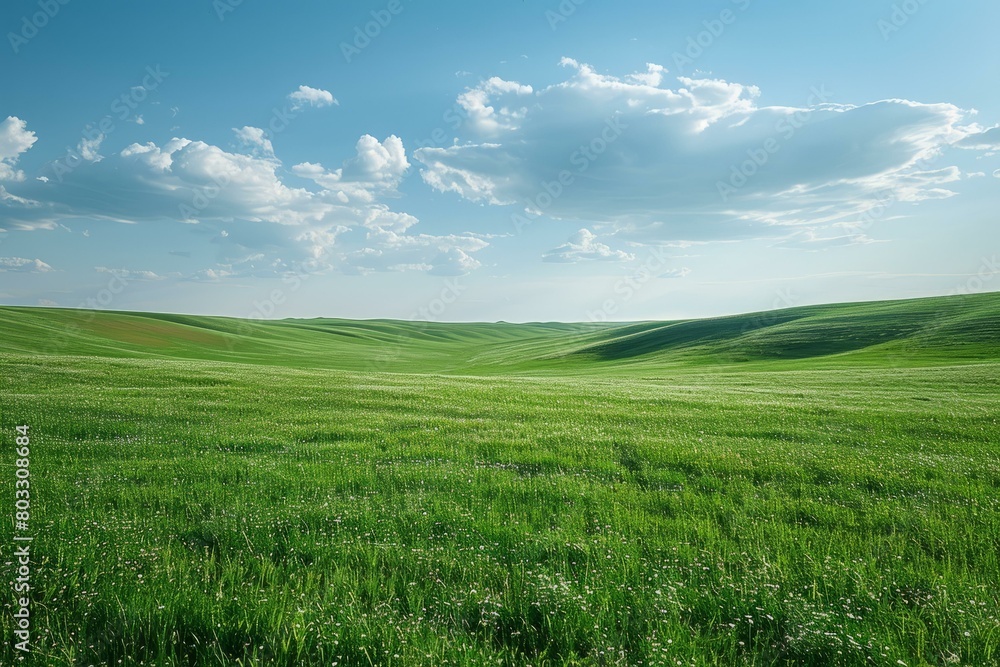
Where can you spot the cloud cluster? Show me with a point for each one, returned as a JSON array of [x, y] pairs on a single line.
[[23, 265], [15, 139], [699, 160], [265, 225], [584, 246]]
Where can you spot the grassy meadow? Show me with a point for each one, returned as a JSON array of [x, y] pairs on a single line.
[[816, 486]]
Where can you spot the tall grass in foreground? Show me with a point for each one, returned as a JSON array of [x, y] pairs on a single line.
[[211, 514]]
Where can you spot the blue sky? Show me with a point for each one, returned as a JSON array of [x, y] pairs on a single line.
[[534, 160]]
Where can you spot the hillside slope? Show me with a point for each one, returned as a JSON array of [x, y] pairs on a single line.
[[918, 332]]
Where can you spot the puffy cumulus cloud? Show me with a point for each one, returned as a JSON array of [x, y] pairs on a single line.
[[376, 168], [195, 181], [696, 159], [15, 139], [480, 104], [584, 246], [260, 225], [254, 138], [313, 97], [23, 265]]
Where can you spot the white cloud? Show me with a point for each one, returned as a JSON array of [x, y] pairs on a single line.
[[478, 104], [87, 148], [255, 138], [682, 272], [212, 275], [584, 246], [23, 265], [197, 181], [986, 140], [389, 248], [438, 255], [15, 139], [814, 241], [376, 168], [339, 223], [15, 202], [129, 275], [700, 160], [314, 97], [653, 76]]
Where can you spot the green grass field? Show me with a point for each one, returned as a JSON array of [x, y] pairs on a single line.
[[815, 486]]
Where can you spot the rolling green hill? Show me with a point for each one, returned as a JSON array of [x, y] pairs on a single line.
[[919, 332], [812, 486]]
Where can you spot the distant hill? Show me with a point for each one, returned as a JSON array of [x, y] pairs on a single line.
[[917, 332]]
